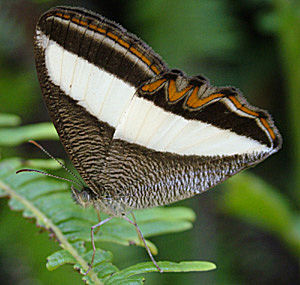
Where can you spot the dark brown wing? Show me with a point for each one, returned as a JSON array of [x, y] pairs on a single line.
[[71, 46]]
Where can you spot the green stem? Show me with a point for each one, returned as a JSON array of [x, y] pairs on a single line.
[[289, 40], [64, 243]]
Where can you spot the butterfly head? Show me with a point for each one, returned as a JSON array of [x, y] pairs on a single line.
[[84, 197]]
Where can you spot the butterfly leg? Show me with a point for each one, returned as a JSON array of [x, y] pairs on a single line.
[[138, 233], [144, 242], [93, 242], [99, 220]]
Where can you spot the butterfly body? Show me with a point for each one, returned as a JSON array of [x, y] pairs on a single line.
[[139, 134]]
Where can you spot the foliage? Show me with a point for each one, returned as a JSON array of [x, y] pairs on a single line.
[[288, 33], [15, 136], [48, 201], [249, 198]]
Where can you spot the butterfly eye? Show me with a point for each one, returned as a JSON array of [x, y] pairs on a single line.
[[82, 197], [85, 196]]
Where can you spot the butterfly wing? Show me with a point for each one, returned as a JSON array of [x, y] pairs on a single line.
[[89, 69], [133, 127], [180, 139]]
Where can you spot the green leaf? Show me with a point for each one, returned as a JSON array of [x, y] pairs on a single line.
[[59, 258], [288, 35], [251, 199], [18, 135], [9, 120], [41, 163], [49, 202], [166, 266]]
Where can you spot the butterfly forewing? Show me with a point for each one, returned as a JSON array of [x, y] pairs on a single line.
[[89, 70]]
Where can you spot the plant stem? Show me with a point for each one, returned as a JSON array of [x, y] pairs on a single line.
[[289, 39], [64, 243]]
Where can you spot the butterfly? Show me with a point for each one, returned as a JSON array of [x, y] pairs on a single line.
[[140, 134]]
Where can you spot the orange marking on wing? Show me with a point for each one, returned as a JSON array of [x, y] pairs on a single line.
[[173, 94], [83, 23], [193, 99], [140, 55], [212, 97], [102, 31], [250, 112], [267, 126], [93, 27], [75, 20], [80, 22], [155, 69], [241, 107], [195, 102], [61, 15], [154, 85], [112, 36], [123, 43]]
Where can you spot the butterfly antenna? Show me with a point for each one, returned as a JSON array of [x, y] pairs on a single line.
[[60, 163], [47, 174]]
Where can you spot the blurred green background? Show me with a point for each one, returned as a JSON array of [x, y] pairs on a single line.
[[250, 225]]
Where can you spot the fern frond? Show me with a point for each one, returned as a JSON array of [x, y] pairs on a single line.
[[49, 203]]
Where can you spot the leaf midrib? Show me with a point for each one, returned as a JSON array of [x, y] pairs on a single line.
[[58, 233]]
